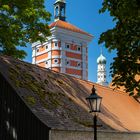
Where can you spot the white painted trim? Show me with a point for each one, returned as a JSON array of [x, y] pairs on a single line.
[[64, 32], [71, 67], [41, 61], [64, 67], [35, 44], [38, 43], [73, 59], [56, 48], [69, 50]]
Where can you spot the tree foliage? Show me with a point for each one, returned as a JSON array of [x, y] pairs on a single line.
[[21, 22], [125, 39]]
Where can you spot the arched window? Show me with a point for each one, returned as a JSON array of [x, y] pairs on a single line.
[[62, 10], [56, 11], [46, 46]]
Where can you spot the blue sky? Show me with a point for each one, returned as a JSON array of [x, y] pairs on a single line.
[[85, 15]]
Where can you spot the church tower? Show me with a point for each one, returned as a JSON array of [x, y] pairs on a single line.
[[66, 50], [101, 70]]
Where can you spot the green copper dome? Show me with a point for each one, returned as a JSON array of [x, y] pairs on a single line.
[[101, 59]]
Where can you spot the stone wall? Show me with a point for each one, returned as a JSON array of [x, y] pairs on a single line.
[[84, 135]]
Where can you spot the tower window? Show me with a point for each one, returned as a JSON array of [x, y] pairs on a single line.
[[55, 61], [79, 64], [67, 46], [37, 50], [62, 11], [67, 62], [56, 11], [56, 44], [87, 66], [46, 46], [79, 49]]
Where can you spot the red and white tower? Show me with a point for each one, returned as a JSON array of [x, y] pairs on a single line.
[[66, 50]]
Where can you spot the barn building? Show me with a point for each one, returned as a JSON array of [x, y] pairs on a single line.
[[40, 104]]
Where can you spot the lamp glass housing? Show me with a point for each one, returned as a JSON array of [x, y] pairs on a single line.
[[94, 102]]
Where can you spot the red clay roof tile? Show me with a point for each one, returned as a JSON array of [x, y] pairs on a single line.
[[68, 26]]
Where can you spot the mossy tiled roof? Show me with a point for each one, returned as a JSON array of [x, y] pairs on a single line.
[[58, 100]]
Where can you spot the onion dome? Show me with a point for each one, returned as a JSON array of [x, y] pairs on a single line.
[[101, 59]]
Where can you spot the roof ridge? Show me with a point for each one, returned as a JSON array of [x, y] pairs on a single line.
[[64, 74], [68, 26], [72, 103], [106, 87]]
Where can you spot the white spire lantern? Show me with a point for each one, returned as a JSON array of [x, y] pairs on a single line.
[[101, 70]]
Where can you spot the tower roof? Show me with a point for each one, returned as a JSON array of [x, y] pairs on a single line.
[[68, 26], [60, 1], [101, 59]]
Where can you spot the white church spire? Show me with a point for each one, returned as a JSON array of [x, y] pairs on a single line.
[[101, 70]]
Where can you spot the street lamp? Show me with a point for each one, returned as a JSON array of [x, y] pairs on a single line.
[[94, 102]]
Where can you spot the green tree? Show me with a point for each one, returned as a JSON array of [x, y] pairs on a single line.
[[21, 22], [125, 39]]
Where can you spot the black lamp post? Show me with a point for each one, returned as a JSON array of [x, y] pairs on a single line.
[[94, 102]]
